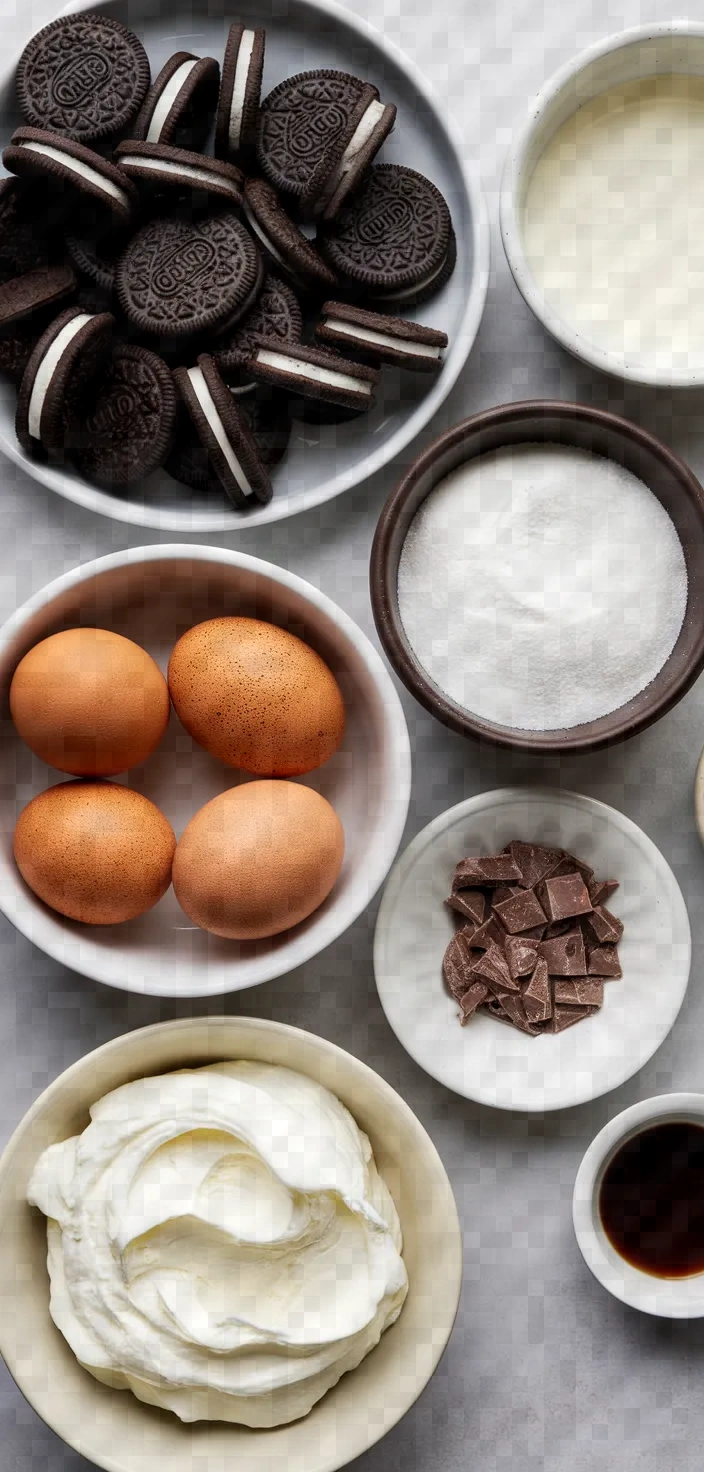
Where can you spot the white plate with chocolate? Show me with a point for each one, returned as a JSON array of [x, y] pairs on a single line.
[[487, 1002]]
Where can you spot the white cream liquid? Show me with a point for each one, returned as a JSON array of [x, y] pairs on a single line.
[[613, 223]]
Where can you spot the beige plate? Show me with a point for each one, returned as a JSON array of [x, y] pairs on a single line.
[[118, 1432]]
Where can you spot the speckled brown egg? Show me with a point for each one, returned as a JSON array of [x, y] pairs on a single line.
[[95, 851], [256, 697], [90, 702], [258, 859]]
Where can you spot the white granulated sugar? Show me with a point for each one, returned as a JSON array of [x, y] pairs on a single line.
[[542, 586]]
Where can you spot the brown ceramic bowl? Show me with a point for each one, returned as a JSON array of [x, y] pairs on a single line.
[[543, 420]]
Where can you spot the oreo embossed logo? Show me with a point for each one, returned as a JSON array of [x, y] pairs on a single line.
[[80, 77], [188, 262], [389, 221]]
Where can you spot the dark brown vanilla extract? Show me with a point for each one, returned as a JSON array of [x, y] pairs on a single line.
[[651, 1201]]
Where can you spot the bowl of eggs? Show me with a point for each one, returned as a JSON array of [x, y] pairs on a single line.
[[211, 770]]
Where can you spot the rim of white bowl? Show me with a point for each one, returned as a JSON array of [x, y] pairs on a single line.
[[370, 876], [91, 498], [638, 1289], [511, 234]]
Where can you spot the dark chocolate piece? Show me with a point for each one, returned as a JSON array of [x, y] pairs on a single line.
[[457, 965], [536, 996], [487, 870], [557, 927], [489, 933], [565, 955], [603, 961], [515, 1013], [492, 967], [603, 927], [601, 890], [564, 896], [583, 993], [564, 1017], [471, 999], [521, 955], [469, 902], [522, 912], [534, 861]]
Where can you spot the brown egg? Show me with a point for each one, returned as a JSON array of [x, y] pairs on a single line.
[[256, 697], [258, 859], [89, 702], [95, 851]]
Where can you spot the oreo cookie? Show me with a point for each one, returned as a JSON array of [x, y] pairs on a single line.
[[179, 277], [44, 287], [284, 245], [267, 416], [313, 373], [17, 343], [310, 130], [379, 338], [275, 315], [394, 239], [79, 170], [85, 76], [240, 91], [96, 259], [232, 455], [162, 169], [180, 103], [64, 361], [129, 428]]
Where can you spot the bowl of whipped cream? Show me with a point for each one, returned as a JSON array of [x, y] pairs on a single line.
[[224, 1239], [602, 205]]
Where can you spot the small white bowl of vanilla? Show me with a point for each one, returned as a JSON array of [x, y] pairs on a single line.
[[602, 205]]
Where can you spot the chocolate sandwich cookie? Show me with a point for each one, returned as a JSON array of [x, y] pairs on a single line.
[[65, 360], [267, 416], [128, 430], [46, 286], [85, 76], [179, 277], [310, 131], [160, 168], [240, 92], [64, 163], [180, 103], [223, 432], [282, 241], [96, 259], [17, 343], [275, 315], [380, 338], [394, 239], [313, 372]]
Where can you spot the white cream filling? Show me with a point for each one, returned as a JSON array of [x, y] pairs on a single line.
[[183, 171], [47, 369], [167, 99], [358, 141], [405, 292], [383, 339], [239, 87], [312, 371], [203, 395], [263, 237], [77, 166]]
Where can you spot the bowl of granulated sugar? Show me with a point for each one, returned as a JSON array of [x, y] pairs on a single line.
[[537, 577]]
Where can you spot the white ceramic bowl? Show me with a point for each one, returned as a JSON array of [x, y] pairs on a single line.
[[668, 1298], [118, 1432], [672, 46], [320, 463], [486, 1060], [152, 595]]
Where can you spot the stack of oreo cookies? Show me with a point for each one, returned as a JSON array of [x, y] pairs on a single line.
[[161, 306]]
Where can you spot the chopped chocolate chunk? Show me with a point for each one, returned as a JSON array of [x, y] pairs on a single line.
[[563, 1017], [603, 961], [522, 912], [515, 1012], [565, 955], [492, 869], [473, 998], [504, 892], [469, 902], [570, 865], [564, 897], [587, 992], [457, 965], [603, 927], [601, 890], [558, 927], [521, 954], [536, 995], [488, 932], [534, 861], [492, 967]]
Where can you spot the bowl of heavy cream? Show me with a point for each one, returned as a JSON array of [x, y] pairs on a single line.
[[602, 205], [223, 1240]]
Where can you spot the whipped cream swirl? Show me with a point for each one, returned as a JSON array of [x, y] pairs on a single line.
[[220, 1242]]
